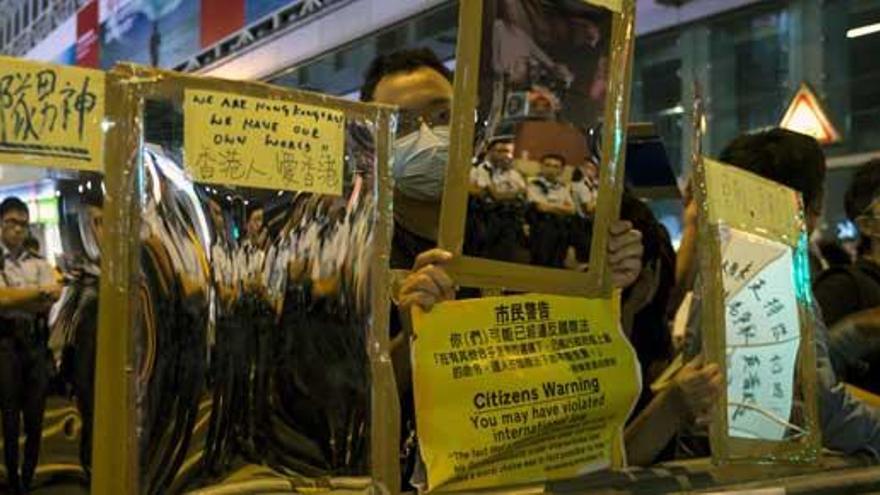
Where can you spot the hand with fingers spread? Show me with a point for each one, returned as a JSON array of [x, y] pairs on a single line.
[[428, 284], [625, 251], [698, 388]]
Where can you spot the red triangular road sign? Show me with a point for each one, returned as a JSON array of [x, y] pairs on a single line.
[[806, 115]]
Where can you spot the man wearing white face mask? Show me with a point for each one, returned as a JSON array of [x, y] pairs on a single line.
[[421, 86]]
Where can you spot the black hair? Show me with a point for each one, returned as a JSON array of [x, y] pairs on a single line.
[[499, 140], [12, 203], [863, 189], [651, 335], [554, 156], [31, 243], [834, 253], [92, 196], [787, 157], [859, 195], [406, 61]]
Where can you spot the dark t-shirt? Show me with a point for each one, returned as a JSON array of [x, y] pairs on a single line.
[[841, 292]]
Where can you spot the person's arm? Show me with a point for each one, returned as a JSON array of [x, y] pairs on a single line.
[[652, 429], [475, 184], [686, 259], [426, 285], [692, 394], [567, 207], [498, 195], [28, 299], [836, 295], [848, 425], [535, 198]]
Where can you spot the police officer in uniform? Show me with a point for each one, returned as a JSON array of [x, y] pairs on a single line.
[[29, 288], [585, 193], [551, 209], [501, 190]]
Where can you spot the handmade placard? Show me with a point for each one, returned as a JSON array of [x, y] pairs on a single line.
[[249, 246], [757, 316], [537, 143], [51, 115]]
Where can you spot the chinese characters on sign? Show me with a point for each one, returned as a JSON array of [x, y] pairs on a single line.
[[51, 116], [257, 142], [763, 335], [740, 199], [533, 388]]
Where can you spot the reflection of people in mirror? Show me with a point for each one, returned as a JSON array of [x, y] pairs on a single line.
[[500, 190], [29, 289], [556, 53], [516, 55], [550, 211], [585, 193], [74, 320]]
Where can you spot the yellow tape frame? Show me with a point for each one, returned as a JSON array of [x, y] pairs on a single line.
[[116, 466], [495, 275], [727, 449]]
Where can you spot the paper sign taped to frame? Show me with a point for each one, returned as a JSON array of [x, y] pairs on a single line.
[[232, 139], [51, 116], [763, 335], [518, 390]]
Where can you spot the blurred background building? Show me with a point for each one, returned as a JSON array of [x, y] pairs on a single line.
[[750, 57]]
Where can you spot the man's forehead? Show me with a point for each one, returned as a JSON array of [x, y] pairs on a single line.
[[415, 89], [15, 214]]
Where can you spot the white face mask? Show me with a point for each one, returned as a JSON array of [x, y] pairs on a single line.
[[420, 160]]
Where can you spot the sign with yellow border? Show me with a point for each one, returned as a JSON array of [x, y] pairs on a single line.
[[50, 115], [522, 389]]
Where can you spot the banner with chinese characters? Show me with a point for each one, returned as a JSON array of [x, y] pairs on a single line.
[[257, 142], [757, 316], [50, 116], [525, 389]]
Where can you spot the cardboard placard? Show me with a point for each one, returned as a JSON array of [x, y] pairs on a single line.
[[50, 115]]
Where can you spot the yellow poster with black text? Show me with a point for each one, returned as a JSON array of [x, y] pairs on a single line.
[[51, 115], [521, 389], [232, 139]]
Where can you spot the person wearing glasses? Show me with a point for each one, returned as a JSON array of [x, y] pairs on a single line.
[[849, 295], [28, 289], [418, 83]]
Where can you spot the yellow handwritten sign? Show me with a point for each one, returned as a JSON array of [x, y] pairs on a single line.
[[744, 200], [518, 390], [257, 142], [50, 116]]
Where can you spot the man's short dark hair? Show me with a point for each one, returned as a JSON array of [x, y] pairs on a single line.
[[865, 186], [405, 61], [499, 140], [787, 157], [12, 203], [554, 156]]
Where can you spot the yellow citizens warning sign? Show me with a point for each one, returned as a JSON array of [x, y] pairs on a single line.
[[258, 142], [518, 390]]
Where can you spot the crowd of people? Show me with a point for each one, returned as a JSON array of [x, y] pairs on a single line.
[[263, 334], [662, 427]]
